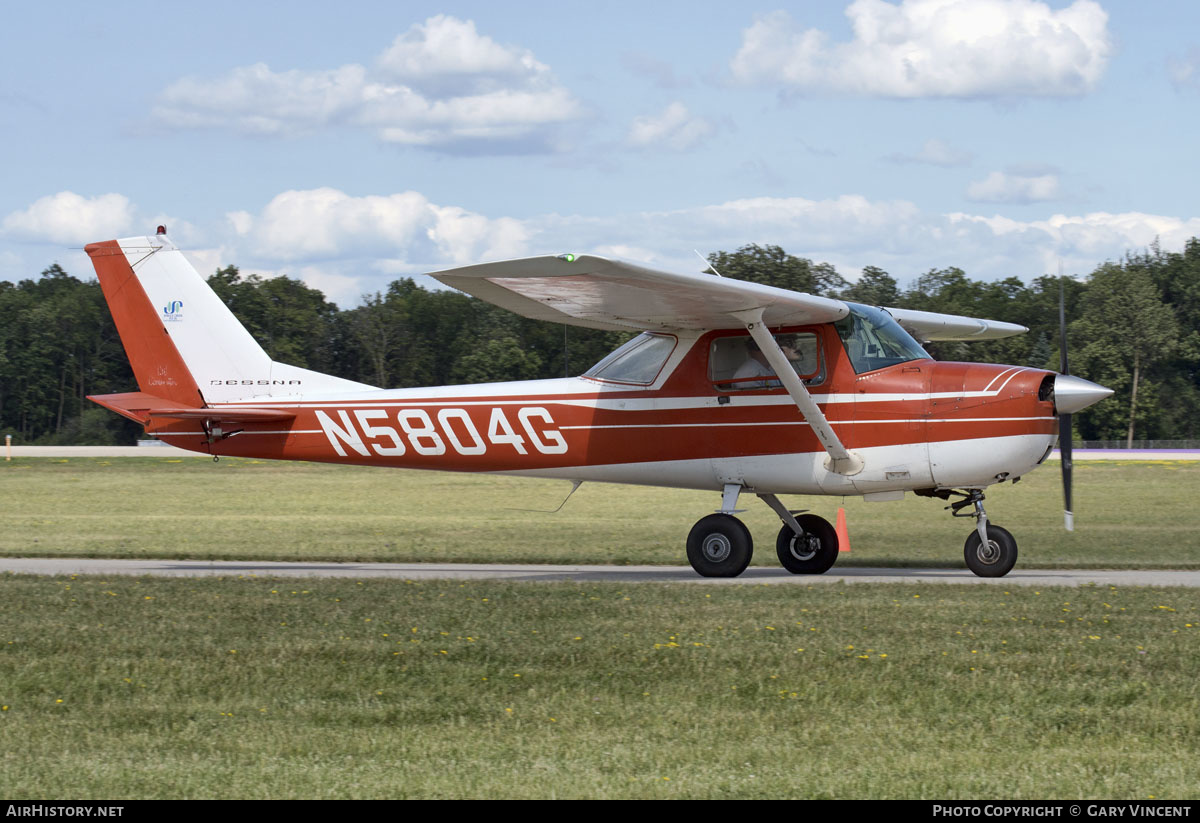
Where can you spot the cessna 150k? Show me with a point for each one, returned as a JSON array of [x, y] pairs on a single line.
[[731, 387]]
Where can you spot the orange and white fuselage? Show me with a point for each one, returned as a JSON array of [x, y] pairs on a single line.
[[921, 424], [207, 386]]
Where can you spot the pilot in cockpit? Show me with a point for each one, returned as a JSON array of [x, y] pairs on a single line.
[[756, 365]]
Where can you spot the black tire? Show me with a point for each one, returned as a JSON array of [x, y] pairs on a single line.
[[813, 553], [719, 546], [997, 559]]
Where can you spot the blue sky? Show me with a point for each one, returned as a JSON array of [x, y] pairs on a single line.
[[351, 144]]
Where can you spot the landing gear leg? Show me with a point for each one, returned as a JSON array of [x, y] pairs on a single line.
[[990, 551]]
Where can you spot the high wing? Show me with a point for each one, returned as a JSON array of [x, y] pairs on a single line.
[[598, 293], [927, 325], [608, 294]]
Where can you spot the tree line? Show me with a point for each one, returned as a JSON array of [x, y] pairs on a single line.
[[1133, 325]]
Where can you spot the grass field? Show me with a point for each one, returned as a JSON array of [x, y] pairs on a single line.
[[256, 688], [249, 688], [1127, 514]]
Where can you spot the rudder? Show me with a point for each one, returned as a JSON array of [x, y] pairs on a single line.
[[157, 365], [183, 342]]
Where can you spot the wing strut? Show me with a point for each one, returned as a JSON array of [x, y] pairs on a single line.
[[840, 460]]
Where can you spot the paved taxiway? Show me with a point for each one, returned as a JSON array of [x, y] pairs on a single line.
[[584, 574]]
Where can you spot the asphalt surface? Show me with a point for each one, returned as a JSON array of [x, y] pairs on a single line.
[[584, 574]]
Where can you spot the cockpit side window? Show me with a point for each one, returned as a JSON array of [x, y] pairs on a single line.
[[736, 364], [639, 361], [874, 340]]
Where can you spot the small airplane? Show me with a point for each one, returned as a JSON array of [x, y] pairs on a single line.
[[731, 387]]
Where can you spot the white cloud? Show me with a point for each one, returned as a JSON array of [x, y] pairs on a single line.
[[1185, 71], [852, 232], [673, 128], [255, 100], [327, 224], [448, 57], [1080, 242], [440, 84], [1002, 187], [465, 237], [343, 289], [934, 48], [935, 153], [68, 218], [346, 245]]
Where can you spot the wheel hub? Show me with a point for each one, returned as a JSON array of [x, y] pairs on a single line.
[[988, 553], [805, 548], [716, 548]]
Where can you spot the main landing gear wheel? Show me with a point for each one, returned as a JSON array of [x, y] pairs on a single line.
[[719, 546], [997, 558], [814, 552]]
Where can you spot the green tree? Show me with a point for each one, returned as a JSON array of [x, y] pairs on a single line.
[[293, 322], [58, 345], [1126, 331], [772, 266], [875, 288], [380, 328]]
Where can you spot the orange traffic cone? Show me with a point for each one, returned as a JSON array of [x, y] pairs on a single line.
[[842, 534]]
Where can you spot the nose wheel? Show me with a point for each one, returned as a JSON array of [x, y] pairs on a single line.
[[994, 558], [990, 551]]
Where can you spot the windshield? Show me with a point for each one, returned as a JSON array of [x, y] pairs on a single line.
[[874, 340], [638, 361]]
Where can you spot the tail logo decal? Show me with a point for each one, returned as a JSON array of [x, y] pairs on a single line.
[[173, 311]]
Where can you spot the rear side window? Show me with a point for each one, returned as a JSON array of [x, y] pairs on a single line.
[[736, 364]]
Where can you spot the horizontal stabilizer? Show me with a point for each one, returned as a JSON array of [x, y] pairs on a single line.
[[224, 415], [142, 408], [136, 405]]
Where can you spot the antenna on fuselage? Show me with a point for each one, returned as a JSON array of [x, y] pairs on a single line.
[[708, 263]]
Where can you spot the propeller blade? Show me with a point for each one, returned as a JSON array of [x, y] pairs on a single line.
[[1065, 445], [1064, 449]]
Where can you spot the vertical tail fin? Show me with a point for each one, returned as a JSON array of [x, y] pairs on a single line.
[[157, 364], [184, 344]]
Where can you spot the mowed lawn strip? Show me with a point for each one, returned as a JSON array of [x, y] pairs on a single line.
[[1139, 515], [260, 688]]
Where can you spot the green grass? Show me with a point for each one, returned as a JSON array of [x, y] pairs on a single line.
[[1128, 515], [254, 688]]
